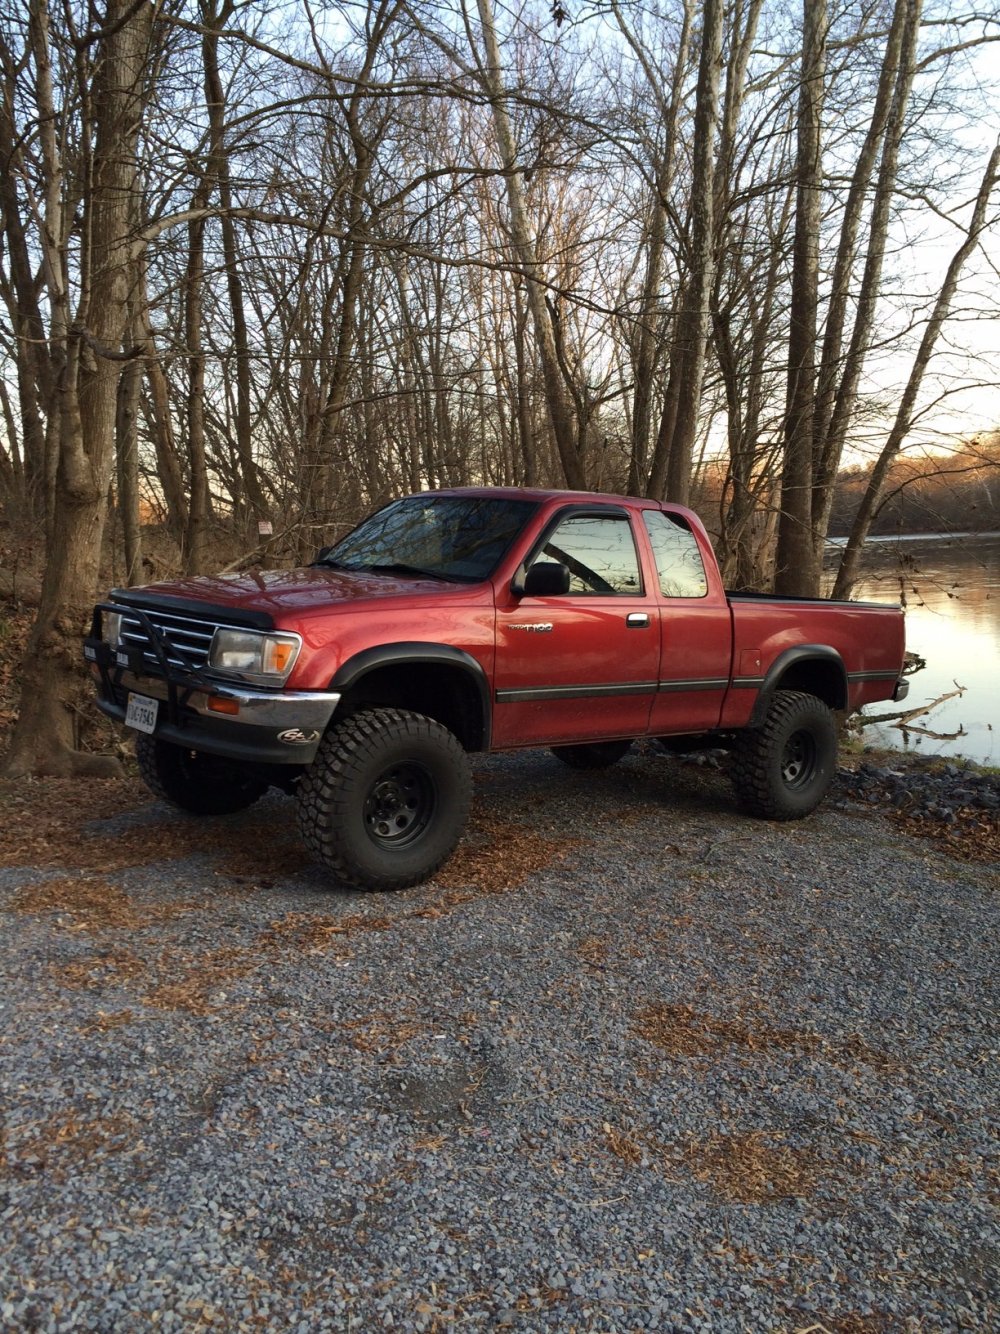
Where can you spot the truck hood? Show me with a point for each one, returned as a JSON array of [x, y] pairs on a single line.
[[287, 591]]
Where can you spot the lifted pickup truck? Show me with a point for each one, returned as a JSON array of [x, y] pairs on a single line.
[[478, 620]]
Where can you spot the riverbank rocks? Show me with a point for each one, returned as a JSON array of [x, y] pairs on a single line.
[[917, 788], [938, 793]]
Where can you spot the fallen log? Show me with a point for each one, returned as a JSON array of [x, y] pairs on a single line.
[[903, 716]]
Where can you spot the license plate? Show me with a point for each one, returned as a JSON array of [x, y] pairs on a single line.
[[141, 713]]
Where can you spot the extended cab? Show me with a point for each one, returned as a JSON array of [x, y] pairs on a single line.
[[475, 620]]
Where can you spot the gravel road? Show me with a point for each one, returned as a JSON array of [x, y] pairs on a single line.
[[631, 1062]]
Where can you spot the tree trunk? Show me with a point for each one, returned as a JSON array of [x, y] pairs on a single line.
[[43, 740], [694, 317], [168, 468], [841, 282], [354, 253], [647, 351], [556, 398], [657, 483], [850, 561], [527, 453], [200, 507], [219, 166], [898, 71], [127, 451], [797, 569], [12, 467], [39, 356]]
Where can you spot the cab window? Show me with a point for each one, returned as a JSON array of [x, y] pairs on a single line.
[[599, 553], [678, 561]]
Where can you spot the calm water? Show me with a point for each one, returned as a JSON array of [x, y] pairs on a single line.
[[951, 590]]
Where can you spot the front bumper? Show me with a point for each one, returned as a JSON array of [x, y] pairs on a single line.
[[901, 691], [259, 726]]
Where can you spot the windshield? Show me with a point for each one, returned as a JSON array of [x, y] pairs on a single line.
[[445, 537]]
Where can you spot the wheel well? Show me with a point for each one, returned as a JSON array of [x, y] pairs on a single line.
[[447, 694], [816, 676]]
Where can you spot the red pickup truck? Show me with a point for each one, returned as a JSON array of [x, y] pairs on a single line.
[[477, 620]]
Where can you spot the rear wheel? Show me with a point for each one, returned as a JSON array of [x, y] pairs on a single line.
[[386, 798], [592, 754], [782, 770], [193, 781]]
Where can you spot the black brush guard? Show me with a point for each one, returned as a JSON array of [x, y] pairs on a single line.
[[111, 663]]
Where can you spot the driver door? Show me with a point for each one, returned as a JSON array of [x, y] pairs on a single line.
[[581, 665]]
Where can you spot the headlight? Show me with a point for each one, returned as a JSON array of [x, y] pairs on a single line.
[[111, 622], [247, 654]]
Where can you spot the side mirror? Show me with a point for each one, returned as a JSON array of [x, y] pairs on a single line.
[[546, 579], [321, 555]]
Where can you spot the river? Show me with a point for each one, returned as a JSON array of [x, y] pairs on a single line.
[[950, 587]]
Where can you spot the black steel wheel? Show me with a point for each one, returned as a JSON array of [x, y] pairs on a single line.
[[386, 799], [798, 760], [783, 769], [195, 782], [400, 805], [592, 754]]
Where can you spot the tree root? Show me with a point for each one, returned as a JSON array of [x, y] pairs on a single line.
[[60, 762]]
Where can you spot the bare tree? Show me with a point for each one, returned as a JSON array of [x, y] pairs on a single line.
[[693, 317], [490, 71], [847, 573], [796, 570], [647, 340], [88, 384]]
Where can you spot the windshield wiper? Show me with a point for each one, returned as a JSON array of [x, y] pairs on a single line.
[[401, 567]]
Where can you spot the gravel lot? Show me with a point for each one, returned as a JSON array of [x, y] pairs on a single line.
[[631, 1062]]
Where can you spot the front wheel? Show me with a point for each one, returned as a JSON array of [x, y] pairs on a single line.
[[193, 781], [385, 801], [783, 769]]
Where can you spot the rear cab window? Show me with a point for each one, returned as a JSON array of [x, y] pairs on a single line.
[[679, 566]]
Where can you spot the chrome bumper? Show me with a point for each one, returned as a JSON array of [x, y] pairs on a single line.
[[311, 709], [267, 726]]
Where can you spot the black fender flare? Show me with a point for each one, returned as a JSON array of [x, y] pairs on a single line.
[[791, 657], [405, 653]]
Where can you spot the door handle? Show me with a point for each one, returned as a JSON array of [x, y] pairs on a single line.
[[637, 620]]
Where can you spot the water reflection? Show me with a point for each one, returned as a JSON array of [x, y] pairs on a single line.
[[951, 590]]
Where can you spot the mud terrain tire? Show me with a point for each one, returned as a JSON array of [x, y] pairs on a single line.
[[386, 799], [193, 781], [782, 770]]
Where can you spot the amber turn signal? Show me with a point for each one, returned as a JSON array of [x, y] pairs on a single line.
[[219, 704], [282, 653]]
